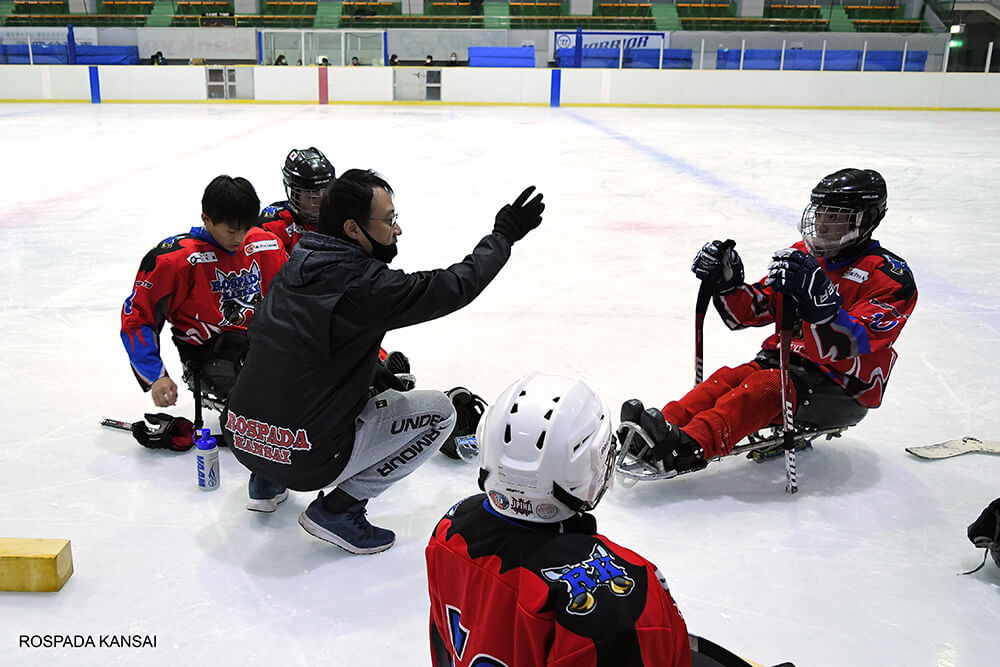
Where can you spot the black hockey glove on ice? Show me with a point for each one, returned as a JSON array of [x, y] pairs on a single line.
[[800, 276], [515, 220], [718, 262], [176, 433]]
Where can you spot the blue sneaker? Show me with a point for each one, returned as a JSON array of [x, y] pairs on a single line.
[[349, 530], [264, 494]]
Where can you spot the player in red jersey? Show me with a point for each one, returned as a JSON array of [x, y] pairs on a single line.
[[853, 298], [306, 174], [206, 284], [519, 575]]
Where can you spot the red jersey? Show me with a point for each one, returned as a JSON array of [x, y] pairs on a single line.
[[280, 221], [855, 349], [200, 288], [510, 593]]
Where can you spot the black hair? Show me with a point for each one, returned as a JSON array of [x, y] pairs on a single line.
[[231, 201], [349, 197]]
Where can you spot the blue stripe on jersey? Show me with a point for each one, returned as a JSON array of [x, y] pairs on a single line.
[[853, 328], [144, 354]]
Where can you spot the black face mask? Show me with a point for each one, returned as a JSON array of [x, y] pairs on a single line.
[[381, 252]]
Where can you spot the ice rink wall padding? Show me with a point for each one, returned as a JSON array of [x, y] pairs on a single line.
[[814, 59]]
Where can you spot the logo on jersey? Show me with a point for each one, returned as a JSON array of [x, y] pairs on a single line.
[[274, 443], [896, 265], [127, 308], [584, 578], [856, 275], [260, 246], [202, 258], [882, 322], [239, 293]]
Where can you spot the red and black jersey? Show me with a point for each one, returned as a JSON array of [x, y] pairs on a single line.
[[200, 288], [280, 221], [855, 349], [519, 594]]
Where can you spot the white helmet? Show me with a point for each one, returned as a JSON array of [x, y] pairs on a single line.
[[546, 449]]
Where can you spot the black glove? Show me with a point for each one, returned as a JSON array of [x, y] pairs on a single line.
[[397, 362], [385, 379], [515, 220], [718, 262], [170, 432], [461, 445], [800, 276]]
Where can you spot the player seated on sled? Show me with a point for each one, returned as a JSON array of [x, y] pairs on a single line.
[[210, 369], [207, 284], [852, 299]]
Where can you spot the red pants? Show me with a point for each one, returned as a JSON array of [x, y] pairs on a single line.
[[728, 406]]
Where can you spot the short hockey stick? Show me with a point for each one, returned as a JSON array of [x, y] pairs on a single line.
[[787, 423], [700, 310], [117, 423], [949, 448]]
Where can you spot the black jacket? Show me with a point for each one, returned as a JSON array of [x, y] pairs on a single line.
[[314, 345]]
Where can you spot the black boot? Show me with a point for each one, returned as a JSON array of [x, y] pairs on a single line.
[[984, 532], [674, 448]]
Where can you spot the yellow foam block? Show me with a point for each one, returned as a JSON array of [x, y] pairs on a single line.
[[31, 564]]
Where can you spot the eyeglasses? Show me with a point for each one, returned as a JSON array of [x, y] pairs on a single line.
[[389, 221]]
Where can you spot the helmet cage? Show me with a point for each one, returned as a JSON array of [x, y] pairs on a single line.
[[304, 203], [827, 230]]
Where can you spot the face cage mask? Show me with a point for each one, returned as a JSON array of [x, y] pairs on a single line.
[[826, 230], [304, 203]]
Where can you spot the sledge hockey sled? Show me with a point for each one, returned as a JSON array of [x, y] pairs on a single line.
[[635, 462]]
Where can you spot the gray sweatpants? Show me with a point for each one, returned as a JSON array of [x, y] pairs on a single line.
[[395, 434]]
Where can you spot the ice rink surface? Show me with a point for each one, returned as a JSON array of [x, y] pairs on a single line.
[[858, 568]]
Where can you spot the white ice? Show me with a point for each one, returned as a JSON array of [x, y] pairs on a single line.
[[858, 568]]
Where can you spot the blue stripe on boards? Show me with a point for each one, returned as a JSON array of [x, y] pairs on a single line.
[[95, 85], [753, 201], [556, 89]]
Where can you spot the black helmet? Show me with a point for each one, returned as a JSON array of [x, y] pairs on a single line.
[[306, 174], [850, 204]]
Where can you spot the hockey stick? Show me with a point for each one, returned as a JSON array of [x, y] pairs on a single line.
[[198, 422], [787, 423], [700, 310], [949, 448], [118, 424]]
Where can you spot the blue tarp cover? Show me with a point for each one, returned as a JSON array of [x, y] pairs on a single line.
[[810, 59], [55, 54], [501, 56]]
